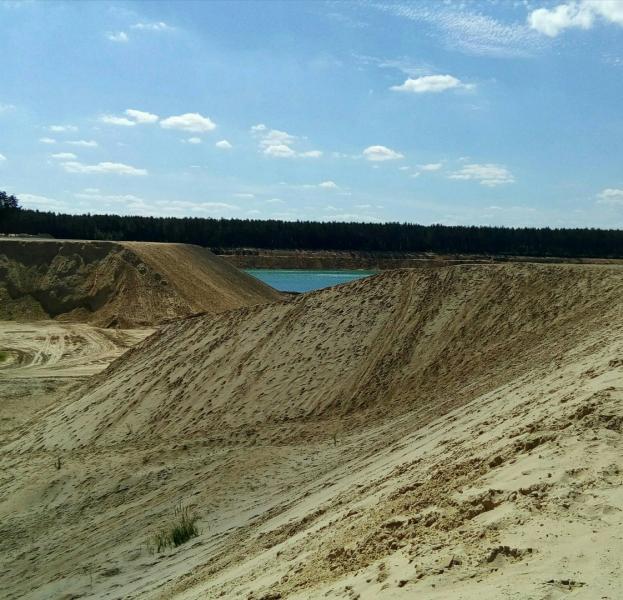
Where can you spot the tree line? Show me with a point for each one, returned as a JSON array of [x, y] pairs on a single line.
[[219, 234]]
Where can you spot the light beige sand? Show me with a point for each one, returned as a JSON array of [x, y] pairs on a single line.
[[118, 284], [454, 433]]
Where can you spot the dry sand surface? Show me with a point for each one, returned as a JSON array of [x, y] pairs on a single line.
[[118, 284], [444, 433]]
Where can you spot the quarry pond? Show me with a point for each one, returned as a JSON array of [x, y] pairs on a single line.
[[303, 280]]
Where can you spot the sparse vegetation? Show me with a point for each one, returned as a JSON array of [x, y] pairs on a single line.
[[183, 528], [3, 356]]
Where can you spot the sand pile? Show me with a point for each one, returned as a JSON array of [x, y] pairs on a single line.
[[111, 284], [452, 433], [423, 341]]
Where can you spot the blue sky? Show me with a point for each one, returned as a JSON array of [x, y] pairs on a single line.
[[505, 113]]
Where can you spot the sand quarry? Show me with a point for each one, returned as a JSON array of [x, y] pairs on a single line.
[[451, 432]]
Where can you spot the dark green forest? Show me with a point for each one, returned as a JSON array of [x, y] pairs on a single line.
[[219, 234]]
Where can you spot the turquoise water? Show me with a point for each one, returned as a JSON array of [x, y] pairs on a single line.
[[299, 280]]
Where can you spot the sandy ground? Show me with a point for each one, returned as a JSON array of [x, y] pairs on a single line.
[[449, 434], [42, 361]]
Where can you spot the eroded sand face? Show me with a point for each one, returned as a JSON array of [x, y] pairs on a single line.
[[453, 434]]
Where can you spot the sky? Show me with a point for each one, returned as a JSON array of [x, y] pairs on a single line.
[[468, 113]]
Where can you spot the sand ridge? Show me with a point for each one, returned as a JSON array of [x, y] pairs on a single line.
[[118, 284]]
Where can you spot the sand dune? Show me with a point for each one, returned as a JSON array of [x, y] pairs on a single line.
[[118, 284], [448, 433]]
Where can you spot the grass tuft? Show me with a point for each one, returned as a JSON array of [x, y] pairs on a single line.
[[183, 528]]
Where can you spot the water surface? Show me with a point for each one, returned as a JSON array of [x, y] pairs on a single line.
[[301, 280]]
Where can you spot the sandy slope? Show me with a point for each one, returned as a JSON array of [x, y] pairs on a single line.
[[118, 284], [454, 433]]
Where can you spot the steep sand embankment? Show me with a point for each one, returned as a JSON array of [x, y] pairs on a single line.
[[118, 284], [445, 433]]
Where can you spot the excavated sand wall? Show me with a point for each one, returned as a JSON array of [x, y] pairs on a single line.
[[111, 284]]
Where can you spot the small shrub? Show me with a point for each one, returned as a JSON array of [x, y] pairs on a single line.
[[183, 528], [3, 356]]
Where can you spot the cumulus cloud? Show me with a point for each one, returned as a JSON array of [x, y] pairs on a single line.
[[193, 122], [158, 26], [133, 117], [38, 201], [83, 143], [278, 144], [141, 116], [47, 140], [489, 174], [193, 140], [328, 185], [117, 36], [64, 156], [580, 15], [112, 120], [103, 168], [62, 128], [431, 166], [279, 151], [612, 196], [430, 84], [223, 145], [310, 154], [381, 153]]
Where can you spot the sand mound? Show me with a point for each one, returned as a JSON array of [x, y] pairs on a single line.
[[423, 341], [112, 284], [453, 433]]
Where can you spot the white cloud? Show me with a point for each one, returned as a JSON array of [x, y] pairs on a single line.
[[2, 158], [83, 143], [431, 166], [381, 153], [612, 196], [94, 194], [140, 116], [47, 140], [112, 120], [62, 128], [103, 168], [194, 140], [117, 36], [275, 137], [279, 151], [193, 122], [246, 195], [311, 154], [489, 174], [64, 156], [581, 15], [223, 145], [133, 117], [37, 201], [6, 107], [159, 26], [467, 31], [275, 201], [328, 185], [430, 84], [278, 144]]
